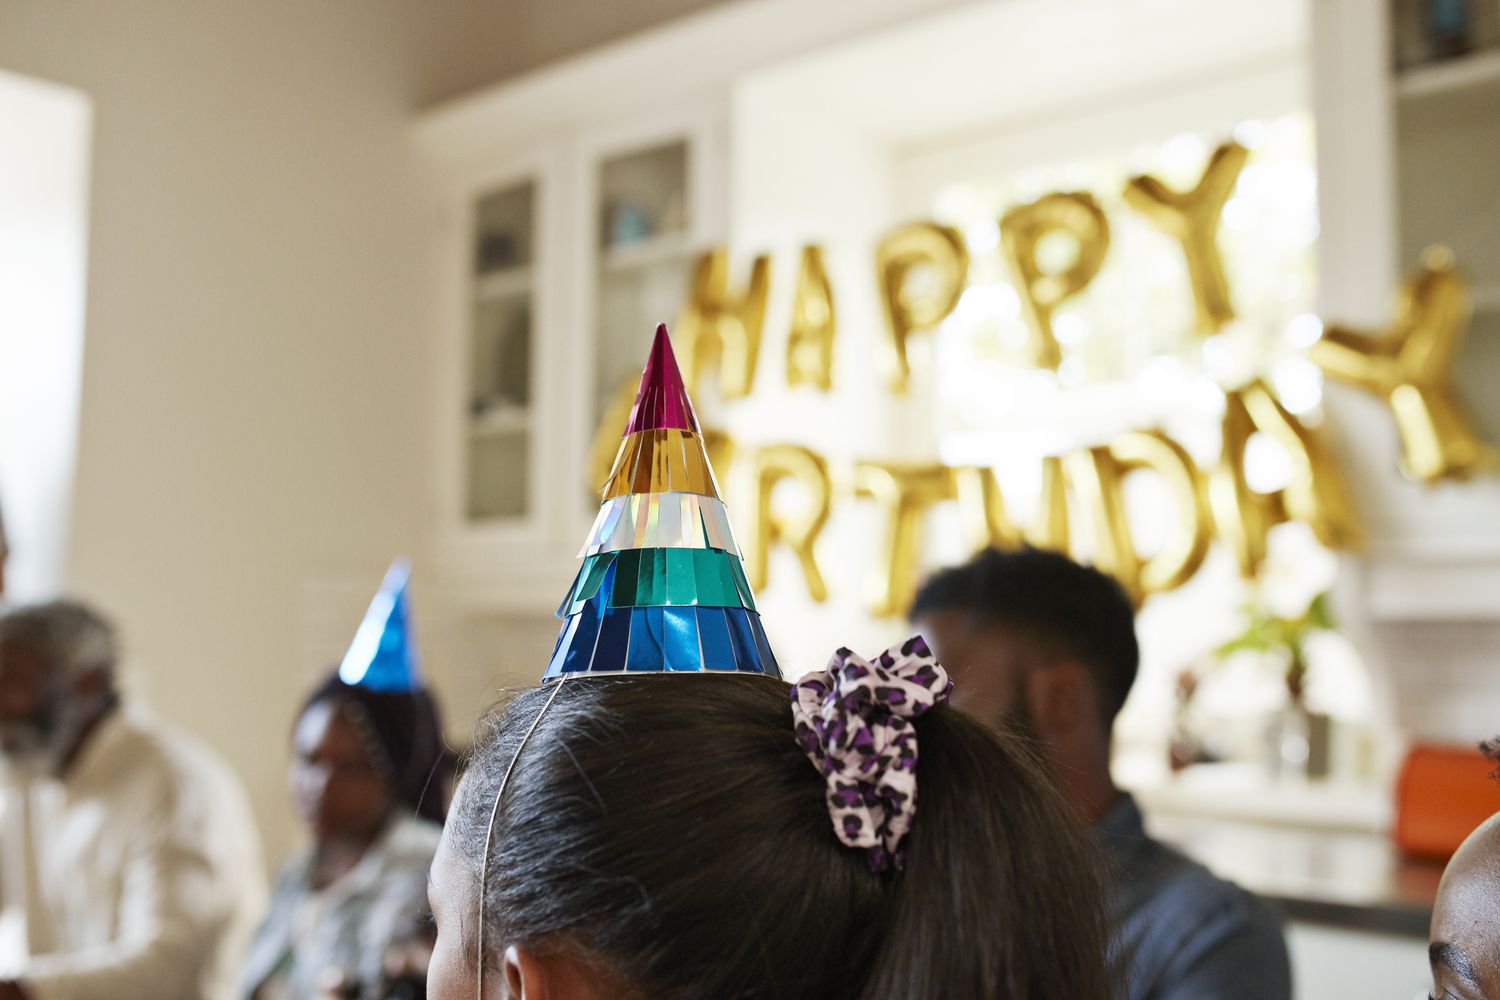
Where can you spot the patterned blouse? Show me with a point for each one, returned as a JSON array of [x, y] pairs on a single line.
[[347, 927]]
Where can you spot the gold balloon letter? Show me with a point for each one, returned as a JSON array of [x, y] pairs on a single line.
[[772, 464], [722, 450], [1243, 517], [1192, 217], [1021, 230], [988, 524], [919, 247], [1410, 365], [904, 494], [718, 325], [1050, 530], [982, 508], [606, 440], [1315, 494], [1098, 475], [809, 345]]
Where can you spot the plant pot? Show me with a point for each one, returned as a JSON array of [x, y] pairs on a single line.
[[1298, 743]]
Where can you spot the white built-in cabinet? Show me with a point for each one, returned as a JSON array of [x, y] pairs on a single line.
[[560, 252]]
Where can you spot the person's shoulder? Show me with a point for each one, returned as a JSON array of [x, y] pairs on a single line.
[[177, 768], [156, 743], [1195, 934], [1191, 896]]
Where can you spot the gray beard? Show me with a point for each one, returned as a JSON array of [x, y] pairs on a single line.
[[36, 750]]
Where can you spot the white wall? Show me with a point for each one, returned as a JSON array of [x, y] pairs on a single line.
[[251, 424], [256, 378]]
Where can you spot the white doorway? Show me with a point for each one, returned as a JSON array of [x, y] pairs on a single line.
[[44, 174]]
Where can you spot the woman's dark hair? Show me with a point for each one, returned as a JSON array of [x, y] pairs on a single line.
[[404, 734], [670, 832]]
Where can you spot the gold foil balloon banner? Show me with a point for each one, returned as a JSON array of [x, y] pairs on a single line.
[[722, 450], [1022, 230], [1087, 485], [922, 269], [605, 446], [1051, 530], [936, 252], [1192, 218], [981, 506], [987, 522], [1243, 517], [809, 345], [1410, 366], [718, 325], [799, 530], [1315, 493], [1098, 477], [904, 493]]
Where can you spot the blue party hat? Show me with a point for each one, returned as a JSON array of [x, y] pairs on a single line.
[[383, 656]]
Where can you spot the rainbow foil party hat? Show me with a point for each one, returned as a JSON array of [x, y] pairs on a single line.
[[383, 656], [662, 587]]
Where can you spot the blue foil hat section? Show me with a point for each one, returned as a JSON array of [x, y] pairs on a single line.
[[605, 640], [383, 655]]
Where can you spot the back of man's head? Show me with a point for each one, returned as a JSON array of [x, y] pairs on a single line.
[[1065, 609], [73, 637]]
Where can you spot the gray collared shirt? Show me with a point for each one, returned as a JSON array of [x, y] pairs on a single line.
[[1180, 932]]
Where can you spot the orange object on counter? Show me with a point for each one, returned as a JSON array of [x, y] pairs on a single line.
[[1442, 795]]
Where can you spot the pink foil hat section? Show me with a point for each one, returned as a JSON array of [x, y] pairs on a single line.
[[662, 401]]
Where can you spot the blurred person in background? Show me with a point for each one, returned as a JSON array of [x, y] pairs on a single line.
[[1041, 645], [129, 865], [1464, 947], [4, 554], [369, 780]]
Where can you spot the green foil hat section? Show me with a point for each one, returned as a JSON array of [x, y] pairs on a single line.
[[636, 578]]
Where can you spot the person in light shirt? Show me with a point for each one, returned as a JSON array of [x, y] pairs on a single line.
[[129, 865]]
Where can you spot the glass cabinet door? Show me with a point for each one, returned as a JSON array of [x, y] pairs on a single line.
[[500, 415], [644, 260]]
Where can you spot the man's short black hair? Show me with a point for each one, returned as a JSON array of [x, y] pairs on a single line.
[[1491, 749], [1074, 610]]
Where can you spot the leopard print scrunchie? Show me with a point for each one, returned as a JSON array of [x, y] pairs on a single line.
[[853, 720]]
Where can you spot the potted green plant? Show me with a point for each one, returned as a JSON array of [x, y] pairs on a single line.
[[1298, 738]]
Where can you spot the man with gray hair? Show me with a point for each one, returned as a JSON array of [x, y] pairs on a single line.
[[129, 866]]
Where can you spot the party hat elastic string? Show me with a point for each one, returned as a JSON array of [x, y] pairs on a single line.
[[489, 834]]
